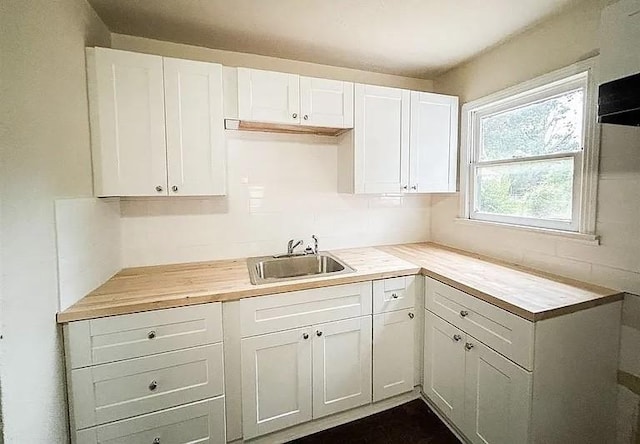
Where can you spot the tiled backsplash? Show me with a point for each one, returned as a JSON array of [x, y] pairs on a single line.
[[279, 187], [88, 239]]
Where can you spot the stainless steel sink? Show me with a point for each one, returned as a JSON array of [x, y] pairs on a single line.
[[267, 269]]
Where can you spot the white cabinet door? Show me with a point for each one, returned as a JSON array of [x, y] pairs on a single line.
[[267, 96], [619, 37], [381, 157], [497, 397], [326, 103], [444, 366], [127, 123], [276, 381], [433, 143], [341, 366], [393, 338], [195, 127]]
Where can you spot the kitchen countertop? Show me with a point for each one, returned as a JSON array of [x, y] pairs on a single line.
[[527, 293]]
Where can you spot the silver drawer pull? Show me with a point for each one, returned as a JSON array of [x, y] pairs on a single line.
[[153, 385], [156, 441], [468, 346], [318, 333], [411, 315], [151, 334], [305, 336], [457, 338], [394, 295], [464, 313]]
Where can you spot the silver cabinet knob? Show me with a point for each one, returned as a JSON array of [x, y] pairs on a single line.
[[464, 313], [318, 333], [394, 295], [306, 117], [305, 336], [156, 441], [153, 385], [457, 338], [159, 188], [294, 115], [411, 315], [468, 346], [414, 187], [405, 187], [151, 334], [174, 189]]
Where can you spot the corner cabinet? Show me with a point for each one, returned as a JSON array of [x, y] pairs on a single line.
[[402, 142], [289, 99], [500, 379], [156, 125]]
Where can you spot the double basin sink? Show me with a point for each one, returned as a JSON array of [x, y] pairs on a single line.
[[267, 269]]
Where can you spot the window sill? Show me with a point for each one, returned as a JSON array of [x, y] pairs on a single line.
[[590, 239]]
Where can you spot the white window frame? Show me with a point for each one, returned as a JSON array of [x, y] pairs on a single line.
[[585, 161]]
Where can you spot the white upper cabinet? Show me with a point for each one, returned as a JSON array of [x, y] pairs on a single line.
[[267, 96], [136, 152], [289, 99], [376, 158], [402, 142], [619, 37], [127, 123], [195, 128], [433, 145], [326, 103]]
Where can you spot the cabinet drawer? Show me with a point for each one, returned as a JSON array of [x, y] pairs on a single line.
[[116, 338], [299, 308], [394, 294], [109, 392], [504, 332], [201, 422]]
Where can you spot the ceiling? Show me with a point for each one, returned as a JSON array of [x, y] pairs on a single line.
[[415, 38]]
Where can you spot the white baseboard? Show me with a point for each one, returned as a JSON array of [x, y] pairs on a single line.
[[321, 424]]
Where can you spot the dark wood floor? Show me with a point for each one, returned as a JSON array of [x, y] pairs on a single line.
[[410, 423]]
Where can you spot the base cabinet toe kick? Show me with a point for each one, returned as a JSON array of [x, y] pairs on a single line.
[[299, 361]]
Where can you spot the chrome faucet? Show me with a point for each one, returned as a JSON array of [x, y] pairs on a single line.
[[315, 243], [292, 246]]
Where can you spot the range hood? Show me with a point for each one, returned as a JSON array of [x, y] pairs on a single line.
[[268, 127], [619, 101]]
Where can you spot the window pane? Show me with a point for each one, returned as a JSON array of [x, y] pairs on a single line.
[[541, 190], [546, 127]]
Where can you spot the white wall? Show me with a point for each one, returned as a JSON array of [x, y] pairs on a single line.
[[616, 262], [89, 247], [45, 155], [279, 187]]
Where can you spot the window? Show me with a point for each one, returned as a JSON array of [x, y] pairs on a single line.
[[527, 154]]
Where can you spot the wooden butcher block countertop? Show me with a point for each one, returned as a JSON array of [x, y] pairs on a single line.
[[526, 293]]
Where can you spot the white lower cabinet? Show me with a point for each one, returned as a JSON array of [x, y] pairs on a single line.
[[282, 372], [497, 397], [341, 365], [484, 394], [393, 353], [444, 366], [151, 377], [500, 379], [200, 422], [276, 381]]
